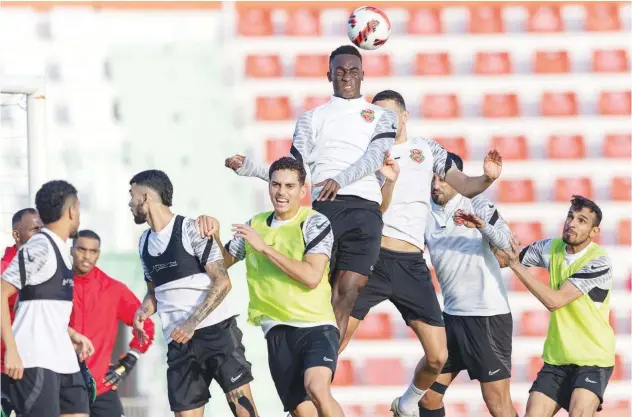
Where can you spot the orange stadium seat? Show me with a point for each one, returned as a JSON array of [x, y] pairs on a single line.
[[623, 234], [432, 64], [544, 19], [501, 105], [457, 145], [375, 326], [617, 408], [567, 187], [345, 373], [527, 232], [617, 146], [352, 410], [516, 191], [311, 102], [302, 22], [255, 22], [492, 63], [534, 323], [533, 367], [263, 66], [610, 60], [565, 147], [619, 373], [602, 16], [621, 189], [615, 103], [273, 108], [511, 147], [311, 66], [440, 106], [425, 21], [558, 104], [551, 62], [541, 274], [485, 19], [277, 148], [376, 65], [384, 371]]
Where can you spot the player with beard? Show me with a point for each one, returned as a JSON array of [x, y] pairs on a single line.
[[42, 376], [187, 285], [579, 351]]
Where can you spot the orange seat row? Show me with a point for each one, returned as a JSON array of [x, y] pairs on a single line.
[[524, 190]]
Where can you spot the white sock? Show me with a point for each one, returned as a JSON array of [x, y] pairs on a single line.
[[408, 402]]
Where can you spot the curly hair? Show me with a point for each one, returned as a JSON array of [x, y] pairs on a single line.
[[158, 181], [578, 202], [291, 164], [51, 199]]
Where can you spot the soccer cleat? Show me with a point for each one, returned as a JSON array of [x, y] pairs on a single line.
[[398, 413]]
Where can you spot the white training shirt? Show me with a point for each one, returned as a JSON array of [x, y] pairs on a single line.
[[466, 268], [178, 299], [419, 159], [40, 327], [344, 140]]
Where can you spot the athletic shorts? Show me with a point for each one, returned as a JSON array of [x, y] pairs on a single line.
[[213, 353], [558, 382], [404, 279], [44, 393], [479, 344], [357, 227], [292, 351], [107, 404]]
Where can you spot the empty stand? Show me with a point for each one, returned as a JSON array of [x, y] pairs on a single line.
[[345, 373], [533, 367], [623, 233], [485, 19], [425, 21], [602, 16], [558, 104], [263, 66], [620, 189], [383, 371], [544, 19], [500, 105], [527, 232], [302, 22], [311, 102], [273, 108], [516, 191], [551, 62], [277, 148], [457, 145], [565, 147], [615, 103], [311, 66], [255, 22], [440, 106], [534, 322], [433, 64], [376, 65], [375, 326], [565, 188], [511, 147], [610, 60], [352, 410], [541, 274], [492, 63], [617, 146]]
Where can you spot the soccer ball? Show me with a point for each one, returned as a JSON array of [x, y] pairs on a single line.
[[368, 27]]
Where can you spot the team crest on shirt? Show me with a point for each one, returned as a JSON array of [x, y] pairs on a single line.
[[417, 156], [368, 115], [458, 221]]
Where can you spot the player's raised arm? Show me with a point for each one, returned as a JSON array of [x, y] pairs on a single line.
[[387, 175], [487, 220]]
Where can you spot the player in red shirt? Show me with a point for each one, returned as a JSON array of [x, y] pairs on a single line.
[[99, 302]]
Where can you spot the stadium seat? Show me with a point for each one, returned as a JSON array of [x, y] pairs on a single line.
[[533, 366], [540, 273], [383, 371], [345, 373], [374, 326], [527, 232], [510, 147], [500, 105], [516, 191], [440, 106], [623, 233], [534, 323], [376, 65], [313, 102], [615, 103], [544, 19], [425, 21], [620, 187], [311, 66], [610, 60], [551, 62], [602, 17], [255, 22], [558, 104], [456, 145], [352, 410], [565, 147], [263, 66], [485, 19], [567, 187], [618, 146], [380, 410], [273, 108], [492, 63], [432, 64], [302, 22], [277, 148], [617, 408], [619, 373]]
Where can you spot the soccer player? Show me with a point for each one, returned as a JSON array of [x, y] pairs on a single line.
[[93, 290], [287, 266], [401, 274], [579, 350], [187, 284], [460, 233], [42, 376], [343, 143]]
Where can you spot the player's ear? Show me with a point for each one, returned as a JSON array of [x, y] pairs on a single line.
[[303, 190], [16, 236], [594, 232], [329, 76], [405, 116]]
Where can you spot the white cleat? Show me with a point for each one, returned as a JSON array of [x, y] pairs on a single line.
[[398, 413]]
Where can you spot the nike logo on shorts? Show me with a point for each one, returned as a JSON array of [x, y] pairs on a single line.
[[591, 381], [494, 373], [326, 359], [236, 378]]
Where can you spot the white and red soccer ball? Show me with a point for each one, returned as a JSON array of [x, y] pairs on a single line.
[[368, 27]]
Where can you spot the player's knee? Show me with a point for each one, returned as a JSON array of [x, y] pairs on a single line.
[[431, 400], [436, 360], [318, 391], [581, 410]]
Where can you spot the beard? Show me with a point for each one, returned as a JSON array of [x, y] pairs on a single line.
[[140, 218], [74, 234]]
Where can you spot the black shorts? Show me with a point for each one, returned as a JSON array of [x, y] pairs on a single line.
[[558, 382], [292, 351], [479, 344], [404, 279], [213, 353], [357, 227], [44, 393], [107, 404]]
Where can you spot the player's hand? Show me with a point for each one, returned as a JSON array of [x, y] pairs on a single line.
[[500, 255], [250, 235], [139, 325], [329, 191], [83, 346], [184, 331], [207, 226], [492, 165], [91, 384], [468, 219], [235, 162], [116, 373], [390, 168], [13, 366], [513, 254]]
